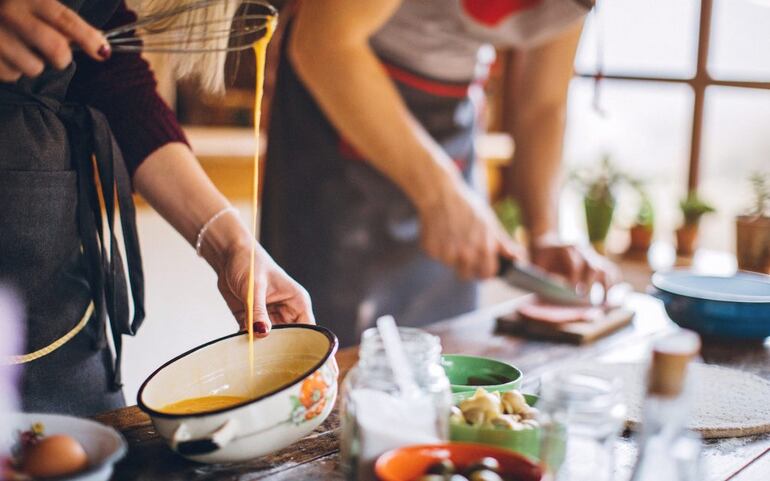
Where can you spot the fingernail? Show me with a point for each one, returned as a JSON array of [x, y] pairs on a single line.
[[105, 51], [260, 327]]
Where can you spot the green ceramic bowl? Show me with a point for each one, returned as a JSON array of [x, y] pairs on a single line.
[[526, 442], [466, 373]]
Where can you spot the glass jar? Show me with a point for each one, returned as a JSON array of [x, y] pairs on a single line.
[[581, 415], [376, 417]]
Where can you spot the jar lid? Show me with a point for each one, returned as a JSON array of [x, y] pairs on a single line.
[[671, 355], [581, 391], [420, 347]]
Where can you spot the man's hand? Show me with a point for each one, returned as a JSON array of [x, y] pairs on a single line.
[[461, 230], [581, 267]]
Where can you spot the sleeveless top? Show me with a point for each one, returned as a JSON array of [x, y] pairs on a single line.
[[451, 40]]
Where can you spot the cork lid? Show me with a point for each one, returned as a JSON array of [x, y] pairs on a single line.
[[670, 356]]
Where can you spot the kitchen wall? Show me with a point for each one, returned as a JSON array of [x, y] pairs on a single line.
[[184, 308]]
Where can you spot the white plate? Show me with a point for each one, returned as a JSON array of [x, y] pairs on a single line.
[[103, 445]]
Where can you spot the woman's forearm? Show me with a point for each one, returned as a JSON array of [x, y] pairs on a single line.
[[360, 100], [173, 182]]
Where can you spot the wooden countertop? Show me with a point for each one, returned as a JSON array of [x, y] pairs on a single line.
[[316, 457]]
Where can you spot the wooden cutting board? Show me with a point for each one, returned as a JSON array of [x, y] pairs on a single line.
[[570, 332]]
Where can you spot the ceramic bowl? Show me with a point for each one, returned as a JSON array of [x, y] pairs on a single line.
[[292, 391], [735, 307], [466, 373], [103, 445], [410, 462], [526, 442]]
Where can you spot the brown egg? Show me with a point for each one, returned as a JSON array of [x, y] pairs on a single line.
[[57, 455]]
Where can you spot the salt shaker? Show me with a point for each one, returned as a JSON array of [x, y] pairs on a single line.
[[376, 417]]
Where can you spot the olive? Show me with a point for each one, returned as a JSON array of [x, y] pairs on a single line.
[[488, 463], [485, 475], [456, 477], [444, 467]]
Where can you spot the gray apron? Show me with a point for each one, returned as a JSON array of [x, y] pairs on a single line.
[[343, 230], [54, 247]]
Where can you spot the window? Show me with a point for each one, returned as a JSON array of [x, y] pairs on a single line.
[[641, 142], [686, 103], [628, 46], [740, 40]]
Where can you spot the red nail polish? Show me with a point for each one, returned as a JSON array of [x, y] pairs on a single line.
[[105, 51], [260, 327]]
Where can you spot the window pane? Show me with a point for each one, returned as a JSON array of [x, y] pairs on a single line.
[[740, 40], [646, 129], [650, 37], [735, 144]]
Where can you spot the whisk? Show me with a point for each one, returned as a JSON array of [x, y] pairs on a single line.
[[227, 31]]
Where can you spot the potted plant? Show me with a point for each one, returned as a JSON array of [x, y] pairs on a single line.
[[599, 200], [643, 228], [753, 229], [509, 213], [693, 208]]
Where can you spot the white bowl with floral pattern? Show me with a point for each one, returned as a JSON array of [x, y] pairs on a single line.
[[295, 381]]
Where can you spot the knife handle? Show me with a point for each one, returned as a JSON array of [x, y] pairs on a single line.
[[504, 265]]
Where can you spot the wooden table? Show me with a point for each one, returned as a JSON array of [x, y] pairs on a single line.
[[317, 456]]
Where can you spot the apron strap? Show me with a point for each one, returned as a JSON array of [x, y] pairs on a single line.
[[100, 163], [103, 185]]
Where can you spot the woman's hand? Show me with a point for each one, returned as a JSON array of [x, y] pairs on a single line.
[[36, 32], [582, 267], [459, 229], [188, 202], [278, 299]]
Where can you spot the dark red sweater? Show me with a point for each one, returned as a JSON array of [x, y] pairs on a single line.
[[124, 89]]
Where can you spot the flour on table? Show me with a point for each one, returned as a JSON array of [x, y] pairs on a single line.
[[725, 402]]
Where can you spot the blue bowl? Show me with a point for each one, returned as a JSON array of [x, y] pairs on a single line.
[[736, 307]]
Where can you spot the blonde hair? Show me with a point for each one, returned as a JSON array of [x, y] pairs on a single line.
[[207, 66]]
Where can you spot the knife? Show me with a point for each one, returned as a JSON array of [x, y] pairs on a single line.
[[532, 278]]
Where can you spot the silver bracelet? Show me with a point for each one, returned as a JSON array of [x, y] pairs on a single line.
[[202, 232]]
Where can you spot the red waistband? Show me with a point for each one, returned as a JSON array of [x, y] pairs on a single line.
[[430, 86]]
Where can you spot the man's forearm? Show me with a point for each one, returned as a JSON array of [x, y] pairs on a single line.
[[539, 112], [536, 168], [360, 100]]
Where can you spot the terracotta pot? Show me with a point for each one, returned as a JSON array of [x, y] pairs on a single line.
[[641, 238], [686, 237], [752, 243]]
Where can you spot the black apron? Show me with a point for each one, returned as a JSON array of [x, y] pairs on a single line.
[[343, 230], [54, 247]]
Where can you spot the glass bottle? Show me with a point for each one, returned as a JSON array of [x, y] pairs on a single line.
[[376, 417], [581, 415], [667, 451]]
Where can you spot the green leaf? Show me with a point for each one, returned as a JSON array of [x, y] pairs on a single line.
[[645, 216], [693, 208], [509, 213], [760, 184]]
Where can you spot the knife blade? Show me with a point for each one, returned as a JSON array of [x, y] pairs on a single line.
[[532, 278]]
